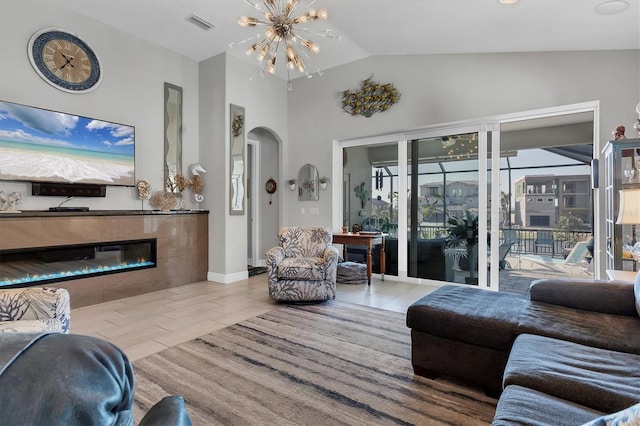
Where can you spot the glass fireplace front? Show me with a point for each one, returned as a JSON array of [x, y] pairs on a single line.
[[41, 265]]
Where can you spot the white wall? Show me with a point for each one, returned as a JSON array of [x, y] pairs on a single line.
[[226, 80], [213, 157], [444, 88], [131, 92]]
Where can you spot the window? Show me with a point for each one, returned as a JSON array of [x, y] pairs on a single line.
[[539, 220], [570, 201]]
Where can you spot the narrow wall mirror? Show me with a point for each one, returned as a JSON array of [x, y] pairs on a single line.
[[237, 187], [308, 183], [172, 132]]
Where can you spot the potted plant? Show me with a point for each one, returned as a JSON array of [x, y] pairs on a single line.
[[463, 232], [323, 182]]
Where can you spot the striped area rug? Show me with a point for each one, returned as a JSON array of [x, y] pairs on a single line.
[[328, 364]]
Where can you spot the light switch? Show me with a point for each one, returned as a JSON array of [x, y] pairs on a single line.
[[314, 211]]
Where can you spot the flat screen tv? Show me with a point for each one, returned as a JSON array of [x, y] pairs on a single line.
[[40, 145]]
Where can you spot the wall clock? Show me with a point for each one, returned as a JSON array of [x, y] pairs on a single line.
[[64, 61], [271, 187]]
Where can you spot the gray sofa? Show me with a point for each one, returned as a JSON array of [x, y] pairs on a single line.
[[71, 379], [566, 354]]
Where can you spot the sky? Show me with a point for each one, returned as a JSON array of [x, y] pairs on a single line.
[[20, 123]]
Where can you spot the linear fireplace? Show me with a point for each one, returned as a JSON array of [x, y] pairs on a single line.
[[40, 265]]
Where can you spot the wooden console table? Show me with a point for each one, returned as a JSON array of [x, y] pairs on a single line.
[[368, 240]]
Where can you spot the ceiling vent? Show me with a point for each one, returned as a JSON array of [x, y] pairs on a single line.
[[200, 22]]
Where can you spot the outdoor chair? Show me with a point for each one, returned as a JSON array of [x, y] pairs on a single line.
[[544, 240], [503, 250], [511, 236]]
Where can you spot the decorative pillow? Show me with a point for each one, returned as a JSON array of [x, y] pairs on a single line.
[[627, 417]]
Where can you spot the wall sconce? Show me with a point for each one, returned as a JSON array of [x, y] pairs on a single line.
[[292, 184], [323, 182]]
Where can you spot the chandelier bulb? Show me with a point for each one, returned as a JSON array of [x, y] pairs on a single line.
[[252, 48], [290, 6], [323, 14], [247, 21], [263, 53], [270, 33], [314, 48], [271, 67]]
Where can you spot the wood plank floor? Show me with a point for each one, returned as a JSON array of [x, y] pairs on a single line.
[[146, 324]]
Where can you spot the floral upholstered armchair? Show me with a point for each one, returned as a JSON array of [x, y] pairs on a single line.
[[304, 266], [34, 309]]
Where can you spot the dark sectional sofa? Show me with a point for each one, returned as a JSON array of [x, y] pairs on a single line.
[[565, 355]]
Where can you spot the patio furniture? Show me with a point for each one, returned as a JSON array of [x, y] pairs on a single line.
[[544, 240], [503, 250]]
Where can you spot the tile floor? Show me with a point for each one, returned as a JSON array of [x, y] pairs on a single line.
[[146, 324]]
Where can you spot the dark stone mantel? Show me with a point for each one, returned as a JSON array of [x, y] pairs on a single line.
[[48, 213]]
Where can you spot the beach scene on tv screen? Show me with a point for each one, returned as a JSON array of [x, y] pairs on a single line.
[[40, 145]]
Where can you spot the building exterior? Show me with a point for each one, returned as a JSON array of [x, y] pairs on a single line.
[[458, 197], [541, 200]]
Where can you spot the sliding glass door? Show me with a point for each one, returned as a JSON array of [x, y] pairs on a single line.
[[443, 205], [476, 202], [428, 204]]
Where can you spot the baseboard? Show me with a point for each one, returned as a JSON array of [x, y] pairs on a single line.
[[227, 278]]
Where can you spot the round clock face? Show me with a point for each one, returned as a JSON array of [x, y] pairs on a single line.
[[271, 186], [64, 61]]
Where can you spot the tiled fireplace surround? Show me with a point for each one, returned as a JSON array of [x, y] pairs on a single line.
[[182, 247]]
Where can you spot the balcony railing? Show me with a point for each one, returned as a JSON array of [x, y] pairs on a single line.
[[538, 241]]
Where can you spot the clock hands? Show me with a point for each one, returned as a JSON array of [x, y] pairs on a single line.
[[68, 59]]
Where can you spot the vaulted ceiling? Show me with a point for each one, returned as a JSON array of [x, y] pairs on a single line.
[[382, 27]]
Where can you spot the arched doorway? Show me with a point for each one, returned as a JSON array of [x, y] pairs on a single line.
[[263, 209]]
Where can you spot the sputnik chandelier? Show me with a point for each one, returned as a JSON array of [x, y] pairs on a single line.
[[283, 29]]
